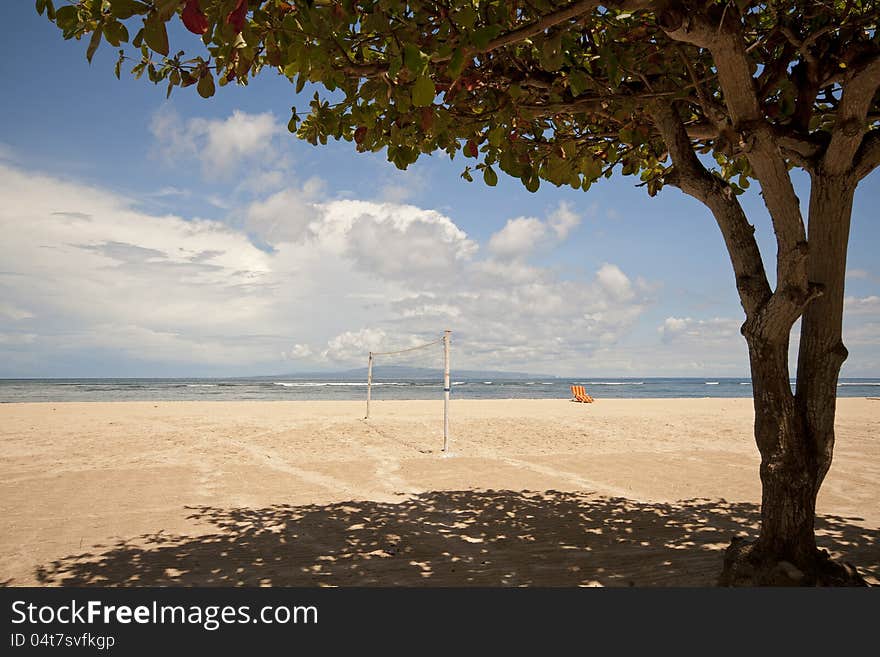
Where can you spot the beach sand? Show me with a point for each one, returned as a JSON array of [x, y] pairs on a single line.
[[535, 492]]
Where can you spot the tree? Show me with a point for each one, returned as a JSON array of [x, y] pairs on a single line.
[[702, 95]]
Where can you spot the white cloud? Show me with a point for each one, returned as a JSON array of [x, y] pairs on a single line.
[[687, 329], [869, 305], [297, 352], [17, 338], [285, 216], [9, 311], [524, 235], [862, 275], [563, 220], [398, 241], [615, 282], [222, 146], [352, 346], [518, 237], [85, 273]]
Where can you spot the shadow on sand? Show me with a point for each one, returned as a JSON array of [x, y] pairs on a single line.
[[449, 538]]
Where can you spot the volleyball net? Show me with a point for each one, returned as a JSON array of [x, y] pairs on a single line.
[[444, 340]]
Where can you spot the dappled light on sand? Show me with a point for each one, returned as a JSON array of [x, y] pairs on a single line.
[[448, 538]]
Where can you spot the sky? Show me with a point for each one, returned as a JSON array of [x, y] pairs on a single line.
[[187, 237]]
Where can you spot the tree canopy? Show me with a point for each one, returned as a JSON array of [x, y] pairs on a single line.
[[542, 90]]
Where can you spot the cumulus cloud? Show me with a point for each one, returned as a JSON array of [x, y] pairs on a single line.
[[563, 220], [297, 352], [85, 273], [524, 235], [352, 346], [221, 145], [82, 269], [286, 215], [615, 282], [398, 241], [518, 237]]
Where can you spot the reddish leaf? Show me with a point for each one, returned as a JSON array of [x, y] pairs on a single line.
[[470, 149], [237, 16], [359, 134], [426, 117], [194, 18]]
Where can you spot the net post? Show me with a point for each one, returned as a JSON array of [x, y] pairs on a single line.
[[446, 335], [369, 383]]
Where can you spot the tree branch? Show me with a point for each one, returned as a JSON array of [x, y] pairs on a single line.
[[860, 86], [723, 37], [689, 175], [545, 22], [554, 18], [868, 156]]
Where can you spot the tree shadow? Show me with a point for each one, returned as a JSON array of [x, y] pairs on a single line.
[[449, 538]]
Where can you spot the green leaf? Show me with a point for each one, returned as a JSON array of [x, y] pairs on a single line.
[[206, 85], [613, 68], [156, 35], [578, 82], [481, 37], [115, 33], [456, 63], [490, 177], [552, 55], [166, 8], [41, 6], [94, 42], [123, 9], [466, 17], [423, 91], [67, 17], [413, 58], [294, 120]]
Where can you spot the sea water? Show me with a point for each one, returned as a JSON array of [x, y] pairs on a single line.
[[291, 388]]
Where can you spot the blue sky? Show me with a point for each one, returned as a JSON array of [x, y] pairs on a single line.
[[145, 237]]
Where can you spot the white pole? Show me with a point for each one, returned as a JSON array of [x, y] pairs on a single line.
[[446, 390], [369, 382]]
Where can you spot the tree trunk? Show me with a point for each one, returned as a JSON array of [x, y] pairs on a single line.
[[822, 352], [795, 432], [788, 469]]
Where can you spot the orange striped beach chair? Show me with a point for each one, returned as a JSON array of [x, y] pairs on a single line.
[[580, 395]]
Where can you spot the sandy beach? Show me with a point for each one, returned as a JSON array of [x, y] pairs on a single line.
[[642, 492]]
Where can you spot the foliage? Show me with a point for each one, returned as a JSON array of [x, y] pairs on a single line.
[[540, 90]]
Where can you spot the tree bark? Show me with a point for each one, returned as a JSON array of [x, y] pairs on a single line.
[[788, 499], [795, 432], [821, 351]]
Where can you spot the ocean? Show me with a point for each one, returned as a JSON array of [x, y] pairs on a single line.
[[285, 388]]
